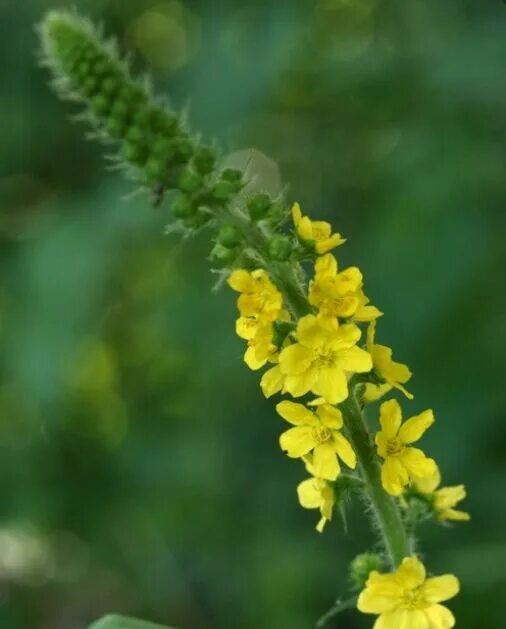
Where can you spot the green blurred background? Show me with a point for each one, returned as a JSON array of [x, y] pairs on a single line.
[[139, 465]]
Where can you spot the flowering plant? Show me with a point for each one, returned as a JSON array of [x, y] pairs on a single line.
[[305, 321]]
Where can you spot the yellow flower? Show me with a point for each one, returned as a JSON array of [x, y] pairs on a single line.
[[402, 463], [318, 433], [259, 297], [317, 232], [406, 599], [260, 304], [394, 374], [317, 493], [260, 347], [340, 294], [444, 499], [321, 359]]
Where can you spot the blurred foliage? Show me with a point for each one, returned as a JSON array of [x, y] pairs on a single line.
[[140, 465]]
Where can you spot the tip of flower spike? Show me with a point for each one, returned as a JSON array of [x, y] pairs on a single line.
[[58, 28]]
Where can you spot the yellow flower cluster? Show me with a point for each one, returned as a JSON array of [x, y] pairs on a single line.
[[319, 357], [318, 361], [260, 304]]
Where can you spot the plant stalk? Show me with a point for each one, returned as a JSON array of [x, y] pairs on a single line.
[[386, 512]]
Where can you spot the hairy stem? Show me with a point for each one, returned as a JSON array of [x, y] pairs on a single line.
[[337, 608], [386, 513]]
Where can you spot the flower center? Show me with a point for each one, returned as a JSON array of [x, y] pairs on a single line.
[[321, 434], [414, 599], [324, 358], [319, 233], [394, 447]]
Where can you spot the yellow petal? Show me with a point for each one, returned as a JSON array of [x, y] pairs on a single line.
[[438, 589], [325, 463], [382, 443], [252, 360], [374, 392], [350, 280], [454, 515], [355, 360], [322, 246], [330, 416], [347, 335], [371, 333], [365, 314], [246, 327], [382, 594], [301, 384], [417, 464], [390, 418], [296, 442], [403, 390], [309, 493], [393, 476], [428, 484], [295, 359], [411, 573], [311, 332], [272, 381], [305, 228], [331, 384], [343, 448], [296, 214], [448, 497], [325, 266], [413, 428], [405, 619], [440, 617], [296, 414], [240, 281]]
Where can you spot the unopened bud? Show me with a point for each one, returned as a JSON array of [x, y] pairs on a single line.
[[279, 248], [362, 566], [229, 235], [221, 256], [258, 206]]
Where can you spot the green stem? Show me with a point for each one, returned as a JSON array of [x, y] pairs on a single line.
[[337, 608], [283, 273], [386, 512]]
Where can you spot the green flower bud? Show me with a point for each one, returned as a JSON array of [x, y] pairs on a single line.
[[87, 67], [183, 207], [119, 109], [135, 153], [90, 86], [183, 148], [109, 85], [100, 105], [229, 235], [189, 181], [223, 191], [221, 256], [362, 566], [155, 170], [197, 220], [204, 160], [232, 174], [115, 127], [259, 206], [279, 248]]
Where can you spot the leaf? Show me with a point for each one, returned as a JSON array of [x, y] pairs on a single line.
[[113, 621]]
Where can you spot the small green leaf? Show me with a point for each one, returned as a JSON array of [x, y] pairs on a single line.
[[113, 621]]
